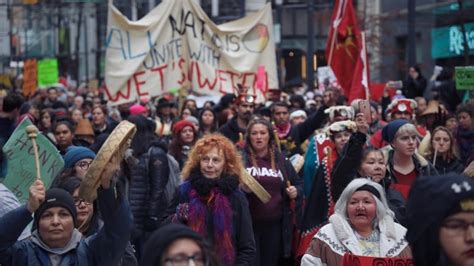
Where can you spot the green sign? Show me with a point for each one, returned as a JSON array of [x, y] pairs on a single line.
[[47, 72], [465, 78], [21, 161], [449, 42]]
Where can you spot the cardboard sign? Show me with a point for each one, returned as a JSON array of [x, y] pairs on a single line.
[[29, 77], [21, 161], [465, 78], [5, 82], [354, 260], [176, 45], [47, 72]]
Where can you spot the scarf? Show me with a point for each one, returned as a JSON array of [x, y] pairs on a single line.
[[212, 195], [283, 130]]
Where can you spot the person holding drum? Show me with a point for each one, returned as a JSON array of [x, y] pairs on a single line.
[[54, 240]]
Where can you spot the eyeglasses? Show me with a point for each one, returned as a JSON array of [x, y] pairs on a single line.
[[183, 260], [457, 227], [84, 165], [78, 201], [208, 160]]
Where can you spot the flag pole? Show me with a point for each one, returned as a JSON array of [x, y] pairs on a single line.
[[335, 24], [366, 67]]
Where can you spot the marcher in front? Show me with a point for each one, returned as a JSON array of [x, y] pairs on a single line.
[[440, 221], [54, 240], [211, 203], [362, 224]]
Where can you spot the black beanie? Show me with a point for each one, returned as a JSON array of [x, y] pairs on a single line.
[[435, 197], [162, 238], [56, 197]]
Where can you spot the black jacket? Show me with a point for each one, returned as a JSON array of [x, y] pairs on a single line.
[[231, 130], [345, 170], [291, 143], [414, 87], [422, 166], [444, 167], [148, 179]]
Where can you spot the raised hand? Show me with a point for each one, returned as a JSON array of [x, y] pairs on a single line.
[[37, 195], [110, 170], [361, 123]]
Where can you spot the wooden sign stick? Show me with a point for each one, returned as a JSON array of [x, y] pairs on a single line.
[[32, 132]]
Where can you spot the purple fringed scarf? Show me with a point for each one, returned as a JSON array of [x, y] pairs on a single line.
[[221, 211]]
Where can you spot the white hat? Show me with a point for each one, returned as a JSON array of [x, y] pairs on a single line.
[[298, 113]]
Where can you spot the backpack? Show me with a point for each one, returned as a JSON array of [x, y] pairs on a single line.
[[173, 179]]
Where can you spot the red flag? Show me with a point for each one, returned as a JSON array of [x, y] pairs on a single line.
[[346, 51]]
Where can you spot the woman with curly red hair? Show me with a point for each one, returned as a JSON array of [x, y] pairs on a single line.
[[211, 203]]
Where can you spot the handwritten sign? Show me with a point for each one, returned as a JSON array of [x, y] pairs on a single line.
[[354, 260], [29, 77], [177, 46], [21, 163], [465, 78], [47, 72]]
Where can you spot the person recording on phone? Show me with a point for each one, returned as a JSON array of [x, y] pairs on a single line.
[[415, 84]]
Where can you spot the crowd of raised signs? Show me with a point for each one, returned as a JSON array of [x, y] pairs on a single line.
[[305, 178]]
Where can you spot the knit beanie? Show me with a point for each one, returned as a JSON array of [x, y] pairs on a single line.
[[436, 197], [76, 153], [180, 125], [162, 238], [137, 109], [56, 197], [390, 130]]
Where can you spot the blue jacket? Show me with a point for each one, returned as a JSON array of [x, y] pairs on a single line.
[[104, 248]]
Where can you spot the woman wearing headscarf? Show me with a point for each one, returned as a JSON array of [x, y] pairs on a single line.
[[359, 161], [211, 203], [440, 221], [272, 221], [362, 225]]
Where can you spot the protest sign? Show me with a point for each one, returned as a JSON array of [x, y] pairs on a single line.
[[47, 72], [354, 260], [5, 82], [465, 78], [29, 77], [21, 170], [177, 46]]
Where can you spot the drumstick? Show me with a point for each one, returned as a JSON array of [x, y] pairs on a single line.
[[32, 132], [435, 154]]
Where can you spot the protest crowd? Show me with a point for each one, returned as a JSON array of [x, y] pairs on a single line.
[[339, 182], [295, 176]]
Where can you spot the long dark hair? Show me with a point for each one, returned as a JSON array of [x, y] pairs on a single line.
[[145, 135], [201, 113]]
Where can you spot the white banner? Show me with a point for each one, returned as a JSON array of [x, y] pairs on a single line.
[[177, 46]]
